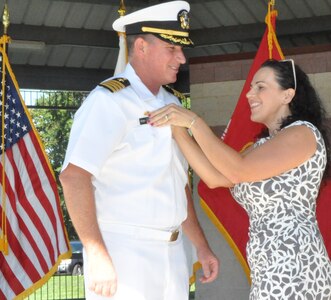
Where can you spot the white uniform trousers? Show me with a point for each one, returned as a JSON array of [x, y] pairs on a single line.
[[146, 269]]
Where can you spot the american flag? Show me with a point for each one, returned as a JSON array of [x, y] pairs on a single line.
[[33, 238]]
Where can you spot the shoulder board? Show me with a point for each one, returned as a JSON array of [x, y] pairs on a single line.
[[115, 84], [177, 94]]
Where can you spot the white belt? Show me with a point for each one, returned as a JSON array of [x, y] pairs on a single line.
[[142, 232]]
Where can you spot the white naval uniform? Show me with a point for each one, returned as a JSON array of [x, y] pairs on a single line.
[[139, 176]]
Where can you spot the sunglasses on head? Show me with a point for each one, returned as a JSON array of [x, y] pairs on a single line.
[[293, 70]]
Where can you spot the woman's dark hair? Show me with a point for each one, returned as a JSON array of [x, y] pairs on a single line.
[[306, 105]]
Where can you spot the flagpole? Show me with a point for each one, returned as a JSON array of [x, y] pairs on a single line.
[[122, 9], [123, 51], [4, 41], [271, 6]]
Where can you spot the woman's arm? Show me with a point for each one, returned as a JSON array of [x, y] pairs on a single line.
[[198, 160], [288, 149]]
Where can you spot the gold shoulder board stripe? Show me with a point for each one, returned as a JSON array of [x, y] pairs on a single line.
[[115, 84], [177, 94]]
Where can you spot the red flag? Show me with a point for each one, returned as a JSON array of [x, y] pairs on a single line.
[[323, 214], [33, 239], [228, 216]]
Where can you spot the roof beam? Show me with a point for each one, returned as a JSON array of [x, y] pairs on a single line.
[[73, 79], [201, 37], [254, 32], [139, 3], [107, 2], [59, 78], [64, 36]]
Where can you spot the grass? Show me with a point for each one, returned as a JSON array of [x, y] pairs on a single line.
[[60, 288], [192, 291], [66, 287]]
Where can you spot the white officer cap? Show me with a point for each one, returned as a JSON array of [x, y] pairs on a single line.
[[168, 21]]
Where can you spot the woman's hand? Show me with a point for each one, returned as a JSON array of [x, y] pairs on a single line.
[[172, 114]]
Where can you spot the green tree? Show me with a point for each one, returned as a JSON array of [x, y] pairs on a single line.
[[52, 116]]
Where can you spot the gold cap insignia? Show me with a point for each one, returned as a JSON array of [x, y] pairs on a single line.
[[184, 19]]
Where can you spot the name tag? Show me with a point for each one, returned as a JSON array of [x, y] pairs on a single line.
[[143, 121]]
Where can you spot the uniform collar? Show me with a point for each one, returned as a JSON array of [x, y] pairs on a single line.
[[138, 86]]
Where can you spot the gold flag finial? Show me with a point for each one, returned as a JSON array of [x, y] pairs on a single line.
[[5, 19], [122, 9]]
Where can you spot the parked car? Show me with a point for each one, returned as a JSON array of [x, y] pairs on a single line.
[[73, 265]]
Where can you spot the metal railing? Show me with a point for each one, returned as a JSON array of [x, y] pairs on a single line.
[[43, 99], [61, 287]]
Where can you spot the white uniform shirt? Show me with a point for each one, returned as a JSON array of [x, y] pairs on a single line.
[[139, 174]]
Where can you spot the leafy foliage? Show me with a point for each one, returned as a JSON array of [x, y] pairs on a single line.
[[53, 117]]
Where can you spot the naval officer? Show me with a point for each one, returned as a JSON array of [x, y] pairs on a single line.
[[125, 182]]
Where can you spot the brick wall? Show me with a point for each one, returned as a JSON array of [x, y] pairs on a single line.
[[215, 87]]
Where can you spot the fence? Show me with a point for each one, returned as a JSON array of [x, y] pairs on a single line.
[[41, 99], [60, 287], [67, 287]]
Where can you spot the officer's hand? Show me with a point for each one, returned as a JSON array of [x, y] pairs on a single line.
[[210, 265], [102, 275]]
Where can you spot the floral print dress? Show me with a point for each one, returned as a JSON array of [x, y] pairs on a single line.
[[285, 252]]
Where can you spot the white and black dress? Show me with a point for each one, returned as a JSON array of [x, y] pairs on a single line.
[[285, 252]]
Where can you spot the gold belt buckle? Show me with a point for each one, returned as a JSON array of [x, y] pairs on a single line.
[[174, 236]]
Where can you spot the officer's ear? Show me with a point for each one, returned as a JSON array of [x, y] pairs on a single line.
[[139, 45]]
